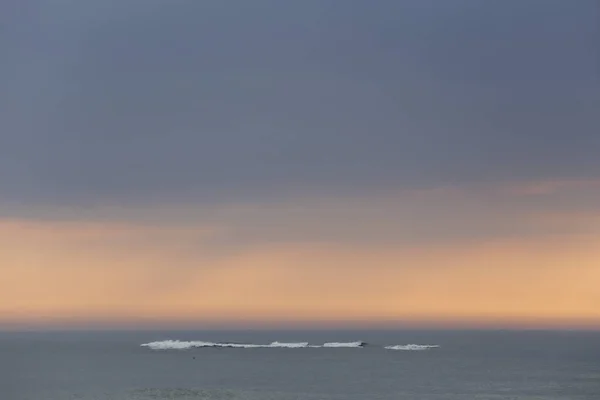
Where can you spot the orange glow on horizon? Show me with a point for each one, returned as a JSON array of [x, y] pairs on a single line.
[[105, 273]]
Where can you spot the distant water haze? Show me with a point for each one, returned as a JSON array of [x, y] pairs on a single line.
[[466, 364]]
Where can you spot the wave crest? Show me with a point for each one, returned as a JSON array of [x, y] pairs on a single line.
[[411, 347], [298, 345], [346, 344], [183, 345]]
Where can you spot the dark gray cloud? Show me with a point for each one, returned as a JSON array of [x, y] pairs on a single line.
[[116, 101]]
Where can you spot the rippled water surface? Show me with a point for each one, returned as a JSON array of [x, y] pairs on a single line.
[[466, 365]]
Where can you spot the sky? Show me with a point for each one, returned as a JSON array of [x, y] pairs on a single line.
[[323, 162]]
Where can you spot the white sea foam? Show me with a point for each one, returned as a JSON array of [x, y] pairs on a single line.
[[183, 345], [289, 345], [238, 345], [177, 344], [412, 347], [342, 344]]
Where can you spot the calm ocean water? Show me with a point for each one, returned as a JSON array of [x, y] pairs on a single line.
[[467, 365]]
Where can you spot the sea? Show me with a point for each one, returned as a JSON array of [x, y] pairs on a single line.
[[300, 365]]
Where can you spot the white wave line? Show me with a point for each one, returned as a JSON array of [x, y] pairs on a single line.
[[416, 347], [344, 344], [182, 345]]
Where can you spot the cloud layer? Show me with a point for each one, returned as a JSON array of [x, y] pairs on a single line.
[[316, 160], [436, 256], [140, 101]]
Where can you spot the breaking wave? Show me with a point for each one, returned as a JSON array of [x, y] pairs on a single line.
[[182, 345], [411, 347], [289, 345], [347, 344]]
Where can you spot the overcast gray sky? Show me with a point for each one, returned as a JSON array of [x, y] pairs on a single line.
[[309, 160], [186, 101]]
